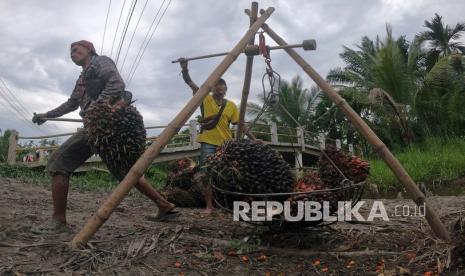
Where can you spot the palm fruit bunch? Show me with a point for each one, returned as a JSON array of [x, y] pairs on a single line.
[[181, 173], [116, 134], [183, 198], [359, 169], [248, 167], [183, 187], [309, 182], [196, 191], [353, 167]]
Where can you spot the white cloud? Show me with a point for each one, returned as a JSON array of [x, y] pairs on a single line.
[[34, 58]]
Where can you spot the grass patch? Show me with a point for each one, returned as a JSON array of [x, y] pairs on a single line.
[[85, 181], [434, 159]]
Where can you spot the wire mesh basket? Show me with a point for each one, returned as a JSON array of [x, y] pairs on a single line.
[[347, 192]]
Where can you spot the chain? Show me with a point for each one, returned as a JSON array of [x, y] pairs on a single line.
[[274, 80]]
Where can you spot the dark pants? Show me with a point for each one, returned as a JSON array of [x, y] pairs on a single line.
[[70, 155]]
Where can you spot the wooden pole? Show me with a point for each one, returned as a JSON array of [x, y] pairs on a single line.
[[12, 143], [253, 50], [418, 197], [247, 78], [134, 174], [46, 136], [64, 120]]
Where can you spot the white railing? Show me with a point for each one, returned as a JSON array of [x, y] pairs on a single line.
[[279, 136]]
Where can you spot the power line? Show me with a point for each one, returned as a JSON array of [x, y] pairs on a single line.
[[132, 37], [145, 38], [126, 26], [148, 41], [13, 98], [17, 111], [16, 104], [14, 101], [117, 26], [156, 27], [105, 28]]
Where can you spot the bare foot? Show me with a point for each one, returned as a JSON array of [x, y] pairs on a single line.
[[52, 226], [206, 212]]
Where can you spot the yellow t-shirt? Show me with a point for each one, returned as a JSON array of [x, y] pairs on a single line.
[[221, 132]]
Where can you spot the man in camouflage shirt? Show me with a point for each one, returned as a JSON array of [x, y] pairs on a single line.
[[99, 79]]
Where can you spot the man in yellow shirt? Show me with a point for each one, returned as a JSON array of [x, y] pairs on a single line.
[[217, 114]]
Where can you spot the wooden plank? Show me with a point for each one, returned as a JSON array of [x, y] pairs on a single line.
[[12, 143]]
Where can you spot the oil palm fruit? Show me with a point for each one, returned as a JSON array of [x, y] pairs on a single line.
[[117, 135]]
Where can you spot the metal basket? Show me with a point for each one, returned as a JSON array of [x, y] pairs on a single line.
[[348, 191]]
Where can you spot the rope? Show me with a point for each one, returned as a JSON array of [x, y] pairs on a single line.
[[288, 193]]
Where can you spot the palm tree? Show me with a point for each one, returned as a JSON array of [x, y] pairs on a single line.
[[4, 141], [293, 108], [439, 103], [387, 72], [442, 40]]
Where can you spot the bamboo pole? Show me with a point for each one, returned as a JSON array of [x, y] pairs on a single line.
[[118, 194], [247, 77], [418, 197]]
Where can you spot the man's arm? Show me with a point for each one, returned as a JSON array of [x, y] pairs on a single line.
[[246, 131], [185, 75], [244, 126], [69, 106]]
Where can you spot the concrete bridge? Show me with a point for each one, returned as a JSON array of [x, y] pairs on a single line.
[[297, 145]]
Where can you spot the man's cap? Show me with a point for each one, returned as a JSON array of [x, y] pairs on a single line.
[[221, 81], [85, 44]]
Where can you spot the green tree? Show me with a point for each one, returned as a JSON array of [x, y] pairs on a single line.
[[294, 107], [441, 40], [4, 143], [439, 103], [387, 72]]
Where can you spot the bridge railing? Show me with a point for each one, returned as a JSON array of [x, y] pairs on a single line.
[[186, 140]]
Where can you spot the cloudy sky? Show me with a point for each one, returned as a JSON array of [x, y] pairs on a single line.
[[35, 37]]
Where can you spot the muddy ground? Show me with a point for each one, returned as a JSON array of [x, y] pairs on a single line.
[[129, 244]]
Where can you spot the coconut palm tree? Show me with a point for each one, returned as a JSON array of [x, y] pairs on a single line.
[[293, 108], [439, 103], [441, 40], [386, 72]]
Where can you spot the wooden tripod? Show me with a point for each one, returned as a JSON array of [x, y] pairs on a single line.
[[118, 194]]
